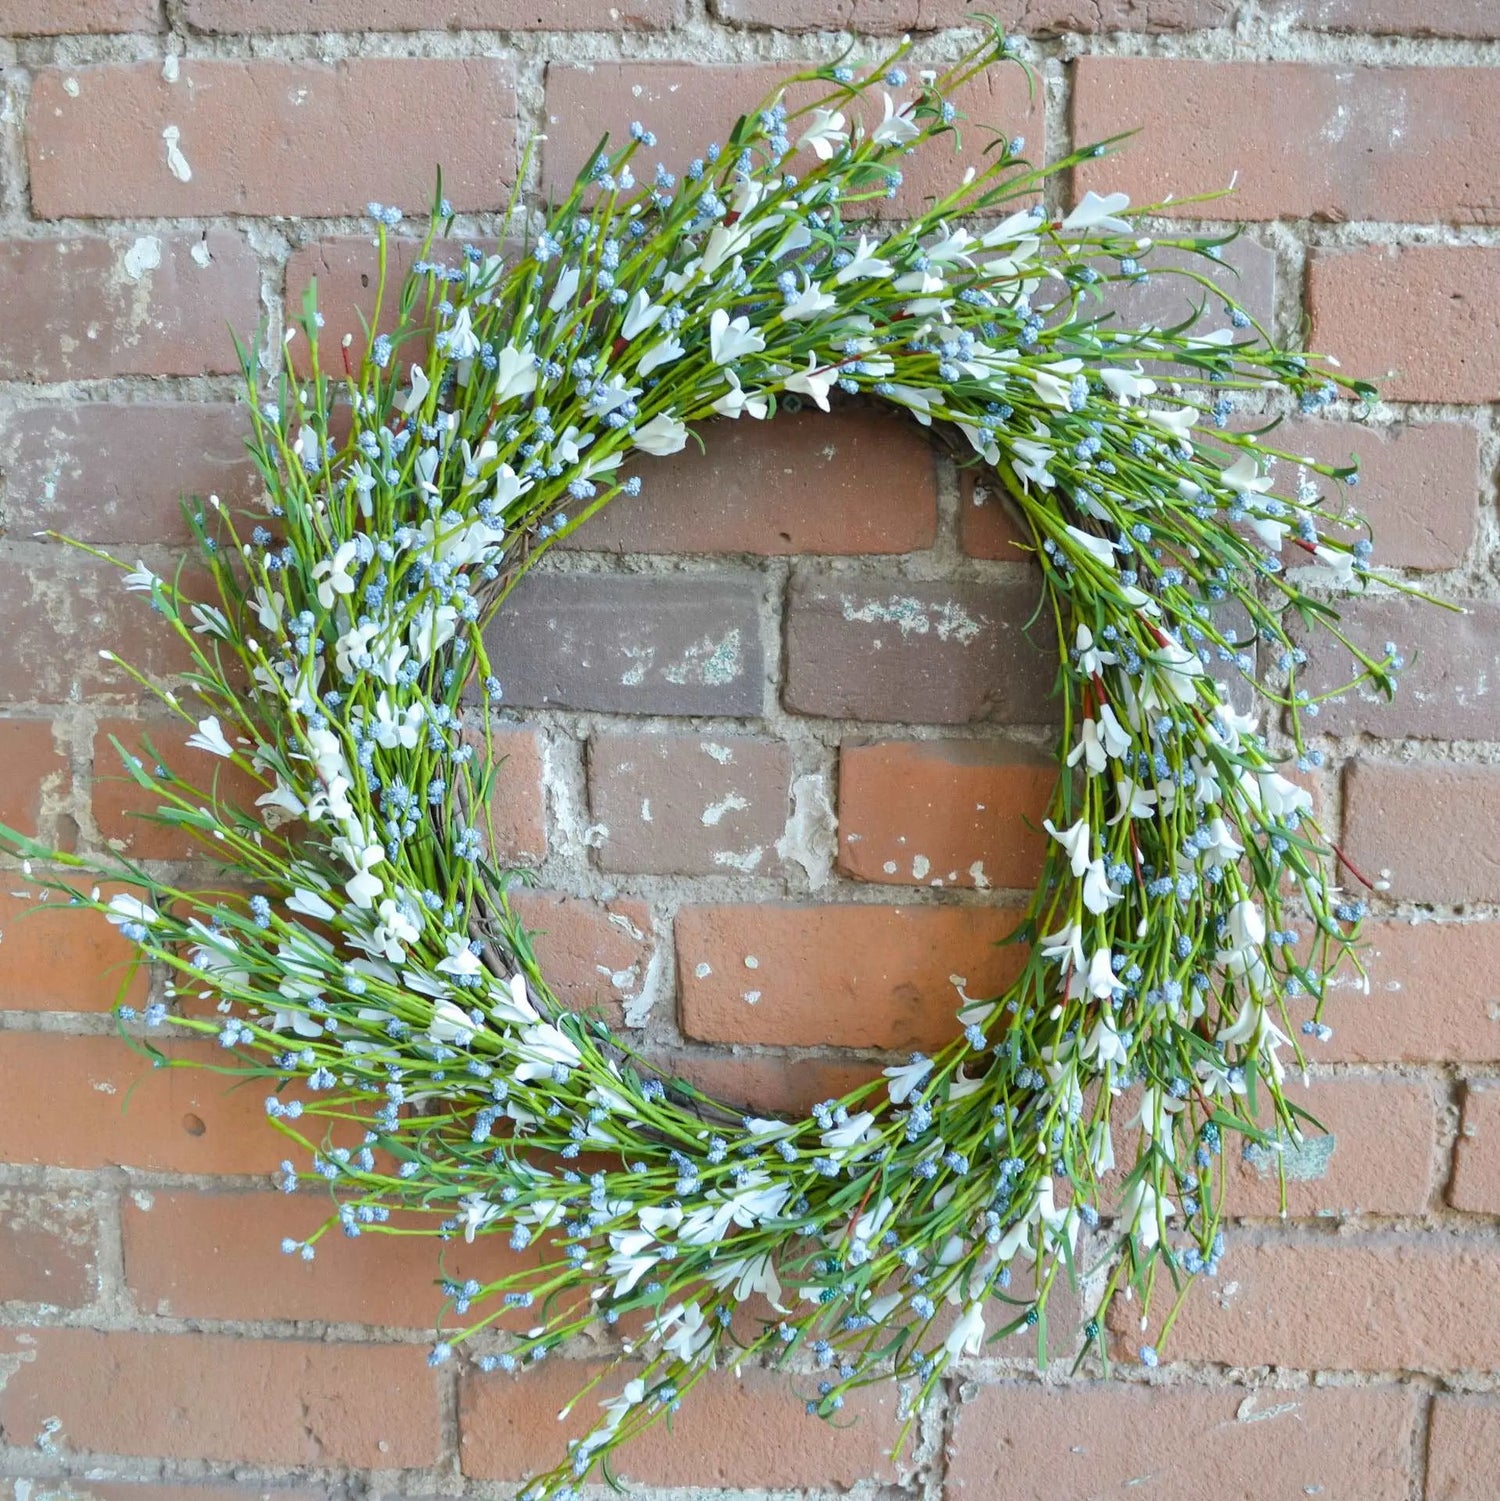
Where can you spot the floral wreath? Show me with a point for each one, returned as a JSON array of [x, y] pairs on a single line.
[[378, 978]]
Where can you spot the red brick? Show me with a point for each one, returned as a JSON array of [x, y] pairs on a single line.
[[1476, 1153], [853, 976], [1443, 691], [1375, 1159], [272, 137], [237, 1269], [688, 804], [854, 481], [120, 802], [36, 775], [92, 306], [92, 1102], [131, 1491], [594, 954], [209, 1396], [1445, 18], [518, 800], [47, 1250], [1372, 143], [1415, 319], [1103, 1441], [110, 472], [1463, 1445], [989, 526], [732, 1431], [429, 15], [943, 812], [1419, 485], [1031, 17], [1367, 1303], [761, 1083], [58, 957], [1430, 997], [1447, 852], [692, 104], [65, 17]]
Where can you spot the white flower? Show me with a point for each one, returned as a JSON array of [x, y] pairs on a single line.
[[511, 1003], [364, 887], [562, 293], [864, 265], [1075, 840], [1340, 564], [1090, 749], [397, 727], [1282, 798], [515, 373], [737, 400], [1094, 212], [966, 1337], [729, 340], [283, 799], [853, 1133], [309, 904], [1112, 733], [1127, 386], [906, 1078], [688, 1331], [1179, 669], [630, 1259], [1065, 946], [450, 1023], [809, 302], [1180, 420], [953, 248], [1246, 926], [543, 1049], [1143, 1211], [1101, 1148], [1030, 462], [1098, 895], [659, 354], [1222, 847], [1099, 548], [210, 737], [1244, 478], [333, 574], [896, 129], [1091, 660], [477, 1213], [140, 579], [1101, 975], [459, 339], [662, 435], [420, 386], [1048, 383], [432, 627], [641, 314], [269, 608], [825, 135], [1135, 800], [461, 960], [812, 381], [124, 909], [748, 1275], [1105, 1043]]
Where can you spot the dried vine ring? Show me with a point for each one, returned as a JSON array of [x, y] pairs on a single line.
[[379, 979]]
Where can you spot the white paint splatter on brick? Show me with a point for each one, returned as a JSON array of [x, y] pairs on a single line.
[[177, 163]]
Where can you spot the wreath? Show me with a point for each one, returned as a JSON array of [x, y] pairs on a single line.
[[364, 958]]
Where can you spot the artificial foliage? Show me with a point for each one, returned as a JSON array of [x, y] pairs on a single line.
[[361, 958]]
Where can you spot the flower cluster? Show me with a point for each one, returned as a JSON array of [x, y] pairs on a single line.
[[377, 978]]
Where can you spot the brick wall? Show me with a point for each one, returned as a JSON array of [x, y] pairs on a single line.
[[774, 729]]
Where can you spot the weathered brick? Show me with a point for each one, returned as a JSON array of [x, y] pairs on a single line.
[[518, 798], [47, 1248], [91, 1102], [943, 812], [1476, 1153], [1032, 17], [1378, 142], [852, 976], [594, 954], [1418, 486], [691, 104], [212, 1396], [1414, 318], [1099, 1441], [58, 957], [237, 1269], [764, 1084], [1463, 1445], [688, 804], [121, 804], [65, 17], [252, 16], [631, 645], [270, 137], [94, 1490], [93, 306], [1430, 998], [1379, 1302], [36, 772], [1446, 854], [989, 526], [1376, 1157], [1445, 18], [1443, 690], [853, 481], [736, 1430], [83, 603], [942, 653], [112, 472]]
